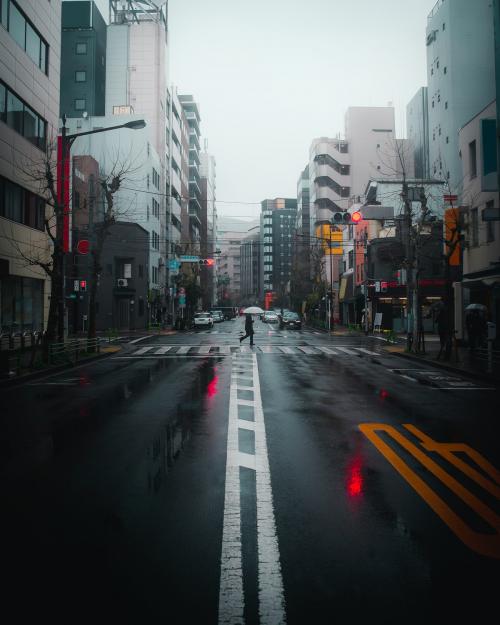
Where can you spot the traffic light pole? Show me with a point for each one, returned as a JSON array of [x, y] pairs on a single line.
[[365, 263]]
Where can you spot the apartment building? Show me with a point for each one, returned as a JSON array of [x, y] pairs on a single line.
[[417, 132], [191, 111], [30, 43], [208, 228]]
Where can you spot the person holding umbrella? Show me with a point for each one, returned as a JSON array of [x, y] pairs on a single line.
[[253, 310]]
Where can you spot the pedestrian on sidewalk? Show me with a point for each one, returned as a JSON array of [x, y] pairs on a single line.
[[248, 329]]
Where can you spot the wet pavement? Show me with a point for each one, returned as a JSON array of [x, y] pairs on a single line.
[[311, 479]]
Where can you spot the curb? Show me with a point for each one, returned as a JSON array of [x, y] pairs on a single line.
[[483, 377], [46, 373]]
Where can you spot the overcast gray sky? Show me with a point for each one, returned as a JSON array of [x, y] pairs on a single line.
[[270, 75]]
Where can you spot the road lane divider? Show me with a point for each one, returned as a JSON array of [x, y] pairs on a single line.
[[271, 602], [486, 544]]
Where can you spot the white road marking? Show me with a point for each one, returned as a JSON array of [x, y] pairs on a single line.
[[224, 349], [143, 350], [327, 350], [184, 349], [271, 595], [367, 351], [163, 350], [307, 350], [270, 583], [204, 349], [345, 350], [141, 338], [286, 350]]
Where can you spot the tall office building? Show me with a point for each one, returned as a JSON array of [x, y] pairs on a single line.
[[30, 48], [277, 226], [460, 78], [417, 132], [83, 59], [250, 260]]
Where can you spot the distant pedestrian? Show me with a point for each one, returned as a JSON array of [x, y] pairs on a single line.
[[475, 323], [248, 329]]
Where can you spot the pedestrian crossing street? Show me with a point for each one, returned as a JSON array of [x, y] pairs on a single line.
[[228, 350]]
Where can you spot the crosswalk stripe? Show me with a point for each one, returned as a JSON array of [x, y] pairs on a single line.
[[184, 349], [367, 351], [286, 350], [266, 349], [346, 350], [306, 350], [225, 349], [163, 350], [204, 349], [327, 350], [143, 350]]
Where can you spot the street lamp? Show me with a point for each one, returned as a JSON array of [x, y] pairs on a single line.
[[65, 141]]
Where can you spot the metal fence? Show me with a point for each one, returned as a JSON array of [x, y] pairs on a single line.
[[71, 351]]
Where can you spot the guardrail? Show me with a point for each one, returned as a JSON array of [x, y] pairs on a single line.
[[487, 358], [70, 351]]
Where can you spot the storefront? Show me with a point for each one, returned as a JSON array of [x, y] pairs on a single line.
[[21, 304]]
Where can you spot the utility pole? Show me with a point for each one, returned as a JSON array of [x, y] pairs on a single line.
[[409, 254], [365, 281]]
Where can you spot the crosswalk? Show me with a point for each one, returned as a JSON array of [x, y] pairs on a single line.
[[227, 350]]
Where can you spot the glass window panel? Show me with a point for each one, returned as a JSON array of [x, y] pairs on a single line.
[[43, 56], [32, 44], [3, 93], [17, 25], [42, 133], [13, 202], [15, 111], [81, 76], [30, 126], [81, 48], [4, 7], [80, 104], [30, 206]]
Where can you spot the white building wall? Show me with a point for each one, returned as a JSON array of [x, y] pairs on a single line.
[[132, 150]]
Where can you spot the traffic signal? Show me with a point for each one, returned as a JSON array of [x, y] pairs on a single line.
[[83, 285], [341, 218], [356, 217], [206, 262]]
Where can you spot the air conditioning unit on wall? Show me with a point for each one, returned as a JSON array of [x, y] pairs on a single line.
[[122, 282]]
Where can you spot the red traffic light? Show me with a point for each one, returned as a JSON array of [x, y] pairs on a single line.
[[83, 285], [206, 262], [356, 217]]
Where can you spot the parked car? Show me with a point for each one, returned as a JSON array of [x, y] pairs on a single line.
[[218, 316], [270, 317], [203, 319], [291, 320]]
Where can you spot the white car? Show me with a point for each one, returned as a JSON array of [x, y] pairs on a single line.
[[203, 319]]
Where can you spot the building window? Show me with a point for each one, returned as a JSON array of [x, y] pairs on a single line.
[[80, 104], [81, 76], [490, 225], [447, 139], [446, 105], [472, 159], [21, 117], [474, 225], [444, 25], [445, 70], [81, 47], [20, 205], [24, 33]]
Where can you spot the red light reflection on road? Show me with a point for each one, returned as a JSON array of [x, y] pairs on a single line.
[[354, 478], [212, 387]]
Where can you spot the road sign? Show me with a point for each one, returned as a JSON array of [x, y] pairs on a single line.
[[490, 214], [173, 265], [83, 246], [450, 198], [376, 211], [189, 259], [182, 290], [76, 285]]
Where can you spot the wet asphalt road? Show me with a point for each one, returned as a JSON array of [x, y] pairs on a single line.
[[130, 492]]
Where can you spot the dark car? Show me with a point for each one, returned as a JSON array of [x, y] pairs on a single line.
[[291, 320]]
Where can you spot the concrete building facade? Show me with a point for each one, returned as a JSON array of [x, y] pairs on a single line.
[[208, 228], [250, 261], [30, 44]]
